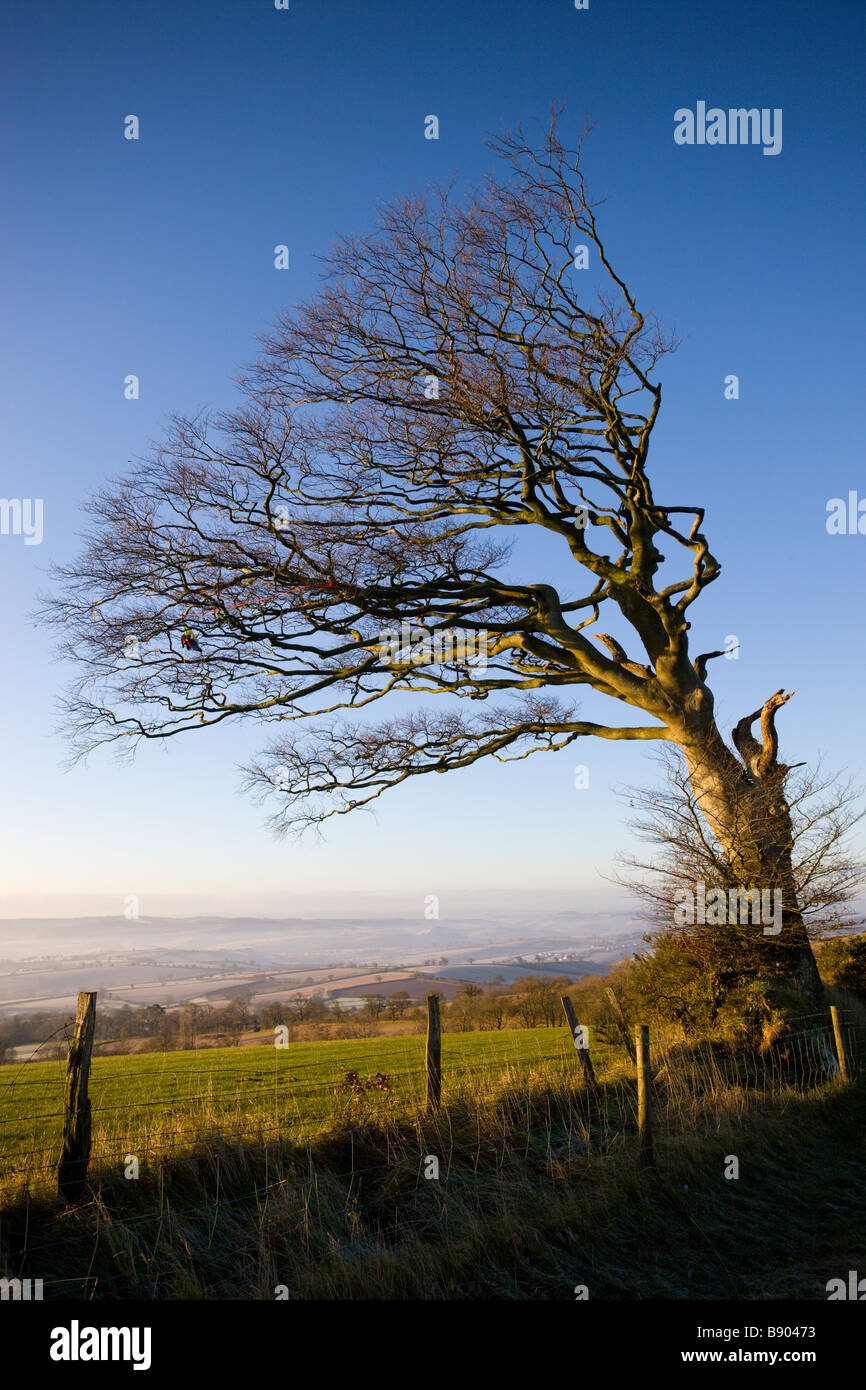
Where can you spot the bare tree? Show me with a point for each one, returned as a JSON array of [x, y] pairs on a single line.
[[397, 1004], [300, 1008], [455, 389], [375, 1006]]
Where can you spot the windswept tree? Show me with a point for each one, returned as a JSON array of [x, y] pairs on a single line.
[[355, 531]]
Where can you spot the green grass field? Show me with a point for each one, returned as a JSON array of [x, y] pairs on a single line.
[[157, 1104], [254, 1175]]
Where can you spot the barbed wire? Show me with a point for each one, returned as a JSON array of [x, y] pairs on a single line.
[[64, 1029], [492, 1034], [494, 1067], [456, 1067]]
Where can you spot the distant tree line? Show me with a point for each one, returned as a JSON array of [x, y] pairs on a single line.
[[665, 983]]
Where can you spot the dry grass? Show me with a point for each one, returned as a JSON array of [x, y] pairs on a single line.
[[538, 1191]]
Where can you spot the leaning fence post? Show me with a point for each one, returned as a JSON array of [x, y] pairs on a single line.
[[621, 1022], [581, 1041], [840, 1043], [644, 1097], [75, 1155], [434, 1053]]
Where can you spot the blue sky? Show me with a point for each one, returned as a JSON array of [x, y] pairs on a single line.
[[155, 257]]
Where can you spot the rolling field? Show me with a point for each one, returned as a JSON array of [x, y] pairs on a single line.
[[164, 1104]]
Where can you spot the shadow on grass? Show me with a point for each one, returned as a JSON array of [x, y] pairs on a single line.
[[522, 1194]]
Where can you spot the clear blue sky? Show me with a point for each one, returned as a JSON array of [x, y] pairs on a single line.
[[155, 257]]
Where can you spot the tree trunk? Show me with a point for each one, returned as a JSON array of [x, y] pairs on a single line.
[[744, 805]]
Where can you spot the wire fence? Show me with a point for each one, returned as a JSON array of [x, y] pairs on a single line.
[[245, 1151], [240, 1099]]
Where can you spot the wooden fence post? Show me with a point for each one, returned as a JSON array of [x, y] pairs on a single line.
[[75, 1155], [582, 1051], [621, 1022], [840, 1043], [434, 1053], [644, 1097]]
